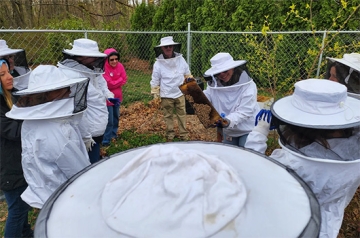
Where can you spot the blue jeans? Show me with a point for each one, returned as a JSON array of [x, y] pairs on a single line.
[[113, 124], [17, 224], [94, 154], [238, 141]]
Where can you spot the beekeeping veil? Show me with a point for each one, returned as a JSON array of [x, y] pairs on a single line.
[[167, 41], [323, 107], [50, 94], [19, 68], [222, 62], [348, 72], [85, 52]]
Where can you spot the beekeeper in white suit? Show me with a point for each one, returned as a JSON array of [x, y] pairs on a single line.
[[233, 94], [52, 147], [169, 71], [85, 60], [316, 125]]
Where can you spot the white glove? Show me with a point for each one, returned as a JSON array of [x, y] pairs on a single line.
[[263, 119], [262, 127], [89, 143], [155, 91], [110, 95]]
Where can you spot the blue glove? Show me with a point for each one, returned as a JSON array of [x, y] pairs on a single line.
[[188, 79], [264, 115], [115, 101]]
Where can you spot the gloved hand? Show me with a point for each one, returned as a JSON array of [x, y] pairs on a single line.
[[114, 101], [155, 91], [186, 76], [89, 143], [110, 95], [262, 122], [223, 123], [186, 80]]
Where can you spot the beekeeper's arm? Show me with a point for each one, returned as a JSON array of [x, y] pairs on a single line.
[[257, 138], [155, 81], [103, 86], [187, 73], [71, 160]]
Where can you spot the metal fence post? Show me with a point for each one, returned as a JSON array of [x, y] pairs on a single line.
[[188, 53]]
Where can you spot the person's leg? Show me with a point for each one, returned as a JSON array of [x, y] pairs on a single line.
[[108, 131], [94, 154], [230, 140], [116, 116], [17, 221], [167, 106], [242, 140], [181, 116]]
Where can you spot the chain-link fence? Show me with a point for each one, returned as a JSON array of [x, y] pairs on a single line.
[[276, 60]]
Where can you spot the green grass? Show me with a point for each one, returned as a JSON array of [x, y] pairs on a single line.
[[131, 139], [3, 215], [137, 87]]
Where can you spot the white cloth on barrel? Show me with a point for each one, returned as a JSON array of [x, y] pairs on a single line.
[[170, 192]]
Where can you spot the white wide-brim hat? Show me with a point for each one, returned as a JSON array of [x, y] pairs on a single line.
[[45, 78], [320, 104], [85, 47], [222, 62], [352, 60], [5, 50], [168, 40]]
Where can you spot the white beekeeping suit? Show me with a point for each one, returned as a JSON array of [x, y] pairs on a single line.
[[318, 108], [76, 64], [97, 113], [169, 75], [52, 147], [238, 102]]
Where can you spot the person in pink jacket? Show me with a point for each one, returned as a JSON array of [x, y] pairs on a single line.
[[115, 77]]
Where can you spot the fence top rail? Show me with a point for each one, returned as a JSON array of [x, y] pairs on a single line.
[[272, 32], [85, 31], [170, 32]]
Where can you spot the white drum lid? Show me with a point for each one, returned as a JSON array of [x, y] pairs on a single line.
[[278, 203]]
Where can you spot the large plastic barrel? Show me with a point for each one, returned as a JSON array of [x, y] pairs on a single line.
[[278, 202]]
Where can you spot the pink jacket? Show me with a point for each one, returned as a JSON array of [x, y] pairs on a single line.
[[115, 76]]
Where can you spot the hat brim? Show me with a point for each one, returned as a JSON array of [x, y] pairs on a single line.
[[82, 53], [9, 52], [217, 70], [354, 95], [47, 88], [347, 63], [175, 43], [284, 110]]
